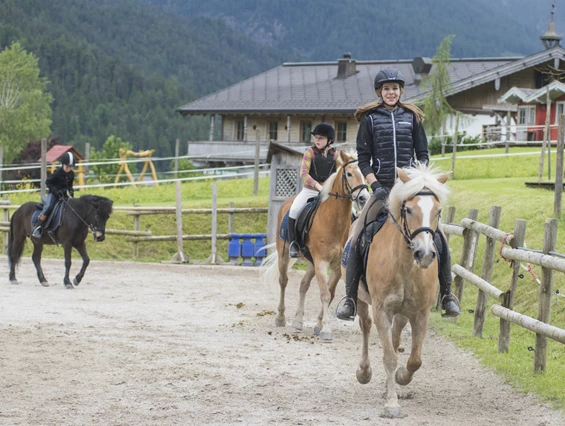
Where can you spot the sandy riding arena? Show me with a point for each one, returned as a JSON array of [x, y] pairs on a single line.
[[159, 344]]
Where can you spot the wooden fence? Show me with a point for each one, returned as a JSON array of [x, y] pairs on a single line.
[[513, 250], [137, 236]]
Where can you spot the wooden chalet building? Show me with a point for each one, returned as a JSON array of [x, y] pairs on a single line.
[[285, 103]]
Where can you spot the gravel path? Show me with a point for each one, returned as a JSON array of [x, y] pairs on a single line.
[[162, 344]]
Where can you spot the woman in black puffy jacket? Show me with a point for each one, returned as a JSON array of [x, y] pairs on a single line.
[[390, 135]]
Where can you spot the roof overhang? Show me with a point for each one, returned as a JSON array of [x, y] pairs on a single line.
[[555, 88], [513, 96]]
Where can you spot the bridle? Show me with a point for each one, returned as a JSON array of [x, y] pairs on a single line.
[[406, 234], [91, 227], [346, 187]]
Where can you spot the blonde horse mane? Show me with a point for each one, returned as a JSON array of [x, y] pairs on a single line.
[[421, 177], [328, 184]]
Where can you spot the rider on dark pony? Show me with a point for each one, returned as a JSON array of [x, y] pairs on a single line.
[[390, 135], [60, 185], [318, 164]]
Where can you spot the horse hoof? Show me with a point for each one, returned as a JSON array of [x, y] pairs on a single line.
[[364, 376], [297, 324], [326, 335], [75, 282], [44, 283], [317, 331], [280, 322], [69, 286], [391, 412], [14, 282], [403, 376]]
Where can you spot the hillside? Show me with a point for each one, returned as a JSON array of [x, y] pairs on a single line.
[[120, 67], [321, 30]]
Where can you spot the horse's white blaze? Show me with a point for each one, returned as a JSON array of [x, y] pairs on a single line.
[[426, 205]]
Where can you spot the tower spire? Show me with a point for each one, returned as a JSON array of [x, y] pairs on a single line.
[[550, 38]]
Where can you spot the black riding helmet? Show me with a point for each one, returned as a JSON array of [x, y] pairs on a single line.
[[68, 159], [325, 129], [388, 75]]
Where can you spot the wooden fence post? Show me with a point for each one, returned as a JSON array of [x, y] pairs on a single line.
[[214, 259], [517, 241], [180, 256], [559, 167], [230, 218], [43, 166], [86, 160], [545, 292], [488, 262], [177, 150], [468, 253], [256, 164], [6, 219], [136, 227]]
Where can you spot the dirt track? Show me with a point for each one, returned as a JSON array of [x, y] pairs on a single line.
[[155, 344]]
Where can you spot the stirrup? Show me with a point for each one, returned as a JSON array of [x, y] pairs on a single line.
[[457, 303], [37, 230], [293, 249], [344, 299]]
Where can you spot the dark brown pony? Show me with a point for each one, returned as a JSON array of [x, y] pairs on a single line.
[[89, 212], [325, 241], [402, 276]]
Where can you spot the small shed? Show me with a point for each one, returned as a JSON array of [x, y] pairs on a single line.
[[285, 181], [53, 155]]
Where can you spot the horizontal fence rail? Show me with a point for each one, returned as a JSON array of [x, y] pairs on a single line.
[[511, 250]]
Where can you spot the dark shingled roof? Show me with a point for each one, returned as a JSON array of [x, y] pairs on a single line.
[[313, 86]]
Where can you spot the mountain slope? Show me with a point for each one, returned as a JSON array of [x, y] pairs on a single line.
[[120, 67], [375, 29]]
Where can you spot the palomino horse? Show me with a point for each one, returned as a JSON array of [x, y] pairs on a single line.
[[89, 212], [402, 276], [325, 241]]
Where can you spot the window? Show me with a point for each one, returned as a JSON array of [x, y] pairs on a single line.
[[273, 130], [560, 111], [341, 127], [305, 130], [239, 131], [527, 115]]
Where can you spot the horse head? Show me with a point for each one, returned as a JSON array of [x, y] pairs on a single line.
[[101, 210], [352, 183], [415, 205]]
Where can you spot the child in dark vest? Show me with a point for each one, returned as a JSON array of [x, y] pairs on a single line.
[[390, 135], [318, 164], [60, 185]]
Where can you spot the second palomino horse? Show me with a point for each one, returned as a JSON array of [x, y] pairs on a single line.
[[325, 241]]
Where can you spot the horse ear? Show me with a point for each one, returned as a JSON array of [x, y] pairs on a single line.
[[444, 177], [342, 159], [402, 175]]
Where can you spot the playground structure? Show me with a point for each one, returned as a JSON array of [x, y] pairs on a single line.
[[124, 153]]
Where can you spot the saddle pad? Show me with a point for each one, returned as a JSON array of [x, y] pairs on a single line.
[[53, 220]]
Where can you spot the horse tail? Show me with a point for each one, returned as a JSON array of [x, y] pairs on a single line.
[[270, 266], [15, 248]]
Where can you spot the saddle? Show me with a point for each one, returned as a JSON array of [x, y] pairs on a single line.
[[303, 225], [53, 221]]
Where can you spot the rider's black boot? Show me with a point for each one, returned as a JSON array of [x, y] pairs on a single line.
[[448, 299], [38, 229], [348, 310], [293, 249]]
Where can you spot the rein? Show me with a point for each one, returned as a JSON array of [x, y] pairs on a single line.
[[346, 187], [92, 228], [406, 234]]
